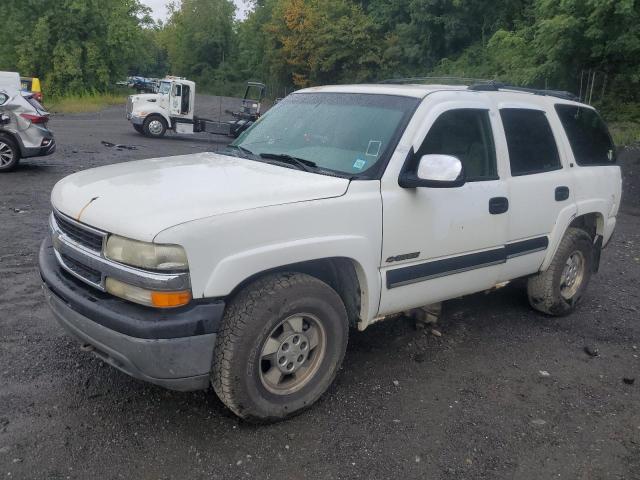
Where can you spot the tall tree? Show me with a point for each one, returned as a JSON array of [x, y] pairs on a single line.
[[322, 41], [76, 44], [199, 36]]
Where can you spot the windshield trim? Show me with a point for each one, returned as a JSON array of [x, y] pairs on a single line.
[[376, 171]]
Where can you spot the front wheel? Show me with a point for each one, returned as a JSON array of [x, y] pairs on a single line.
[[138, 128], [557, 290], [280, 347], [154, 126]]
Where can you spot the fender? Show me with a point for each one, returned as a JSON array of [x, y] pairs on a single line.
[[162, 113], [151, 108], [568, 215], [225, 251]]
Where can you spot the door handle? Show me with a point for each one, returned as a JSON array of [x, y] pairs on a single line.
[[562, 193], [498, 205]]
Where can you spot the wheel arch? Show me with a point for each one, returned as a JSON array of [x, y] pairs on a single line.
[[155, 113], [591, 222], [344, 275], [16, 139]]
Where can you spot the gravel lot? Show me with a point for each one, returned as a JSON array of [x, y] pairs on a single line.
[[471, 404]]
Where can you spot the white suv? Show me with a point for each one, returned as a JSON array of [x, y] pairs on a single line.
[[342, 206]]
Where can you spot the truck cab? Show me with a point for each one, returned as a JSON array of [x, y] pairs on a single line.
[[171, 108], [343, 206]]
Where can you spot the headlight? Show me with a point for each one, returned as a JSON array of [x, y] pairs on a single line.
[[149, 256]]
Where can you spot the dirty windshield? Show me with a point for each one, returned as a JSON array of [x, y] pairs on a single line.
[[165, 88], [347, 134]]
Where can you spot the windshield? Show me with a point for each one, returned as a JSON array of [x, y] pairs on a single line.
[[345, 133], [165, 88]]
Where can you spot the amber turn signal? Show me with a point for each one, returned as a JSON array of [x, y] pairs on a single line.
[[170, 299]]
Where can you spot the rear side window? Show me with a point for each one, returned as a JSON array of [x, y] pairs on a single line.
[[34, 103], [588, 135], [532, 147], [467, 135]]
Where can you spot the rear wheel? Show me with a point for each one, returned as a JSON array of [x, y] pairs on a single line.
[[557, 290], [154, 126], [281, 345], [9, 154]]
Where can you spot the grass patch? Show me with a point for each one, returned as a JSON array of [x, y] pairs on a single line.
[[625, 133], [85, 102]]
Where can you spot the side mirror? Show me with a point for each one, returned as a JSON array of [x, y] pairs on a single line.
[[435, 171]]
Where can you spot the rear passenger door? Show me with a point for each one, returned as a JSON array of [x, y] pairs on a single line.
[[593, 157], [540, 187]]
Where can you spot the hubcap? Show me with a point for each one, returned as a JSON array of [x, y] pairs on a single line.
[[6, 154], [292, 353], [572, 275], [155, 127]]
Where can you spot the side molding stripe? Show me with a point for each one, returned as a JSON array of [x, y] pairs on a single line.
[[450, 266], [526, 246]]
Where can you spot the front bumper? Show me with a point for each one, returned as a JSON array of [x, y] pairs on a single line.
[[135, 119], [172, 348]]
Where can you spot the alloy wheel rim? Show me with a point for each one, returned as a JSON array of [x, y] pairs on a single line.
[[6, 154], [155, 127], [292, 354], [572, 275]]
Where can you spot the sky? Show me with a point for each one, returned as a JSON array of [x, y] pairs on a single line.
[[160, 10]]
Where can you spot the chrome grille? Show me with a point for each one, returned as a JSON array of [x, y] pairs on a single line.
[[74, 230], [86, 273]]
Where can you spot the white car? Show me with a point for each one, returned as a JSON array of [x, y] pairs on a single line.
[[342, 206]]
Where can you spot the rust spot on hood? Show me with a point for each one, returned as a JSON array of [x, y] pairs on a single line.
[[85, 207]]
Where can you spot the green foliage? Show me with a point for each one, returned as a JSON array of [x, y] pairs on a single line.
[[199, 36], [73, 44], [77, 45], [321, 41]]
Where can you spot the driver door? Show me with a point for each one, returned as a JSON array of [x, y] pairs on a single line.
[[440, 243], [175, 102]]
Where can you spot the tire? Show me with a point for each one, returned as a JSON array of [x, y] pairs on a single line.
[[557, 290], [138, 128], [154, 126], [9, 154], [263, 318]]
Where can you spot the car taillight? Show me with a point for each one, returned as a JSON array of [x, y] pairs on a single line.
[[35, 118]]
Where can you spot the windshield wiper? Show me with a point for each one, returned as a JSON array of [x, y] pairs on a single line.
[[301, 163], [243, 150]]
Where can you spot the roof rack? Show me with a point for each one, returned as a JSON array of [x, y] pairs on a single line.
[[492, 86], [434, 80]]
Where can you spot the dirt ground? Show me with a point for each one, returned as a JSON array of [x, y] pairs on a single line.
[[471, 404]]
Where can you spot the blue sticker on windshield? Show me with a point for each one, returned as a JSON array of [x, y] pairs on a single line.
[[359, 164]]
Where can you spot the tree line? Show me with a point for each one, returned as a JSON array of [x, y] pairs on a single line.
[[578, 45]]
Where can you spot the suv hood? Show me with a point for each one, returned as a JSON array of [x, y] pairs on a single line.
[[140, 199]]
